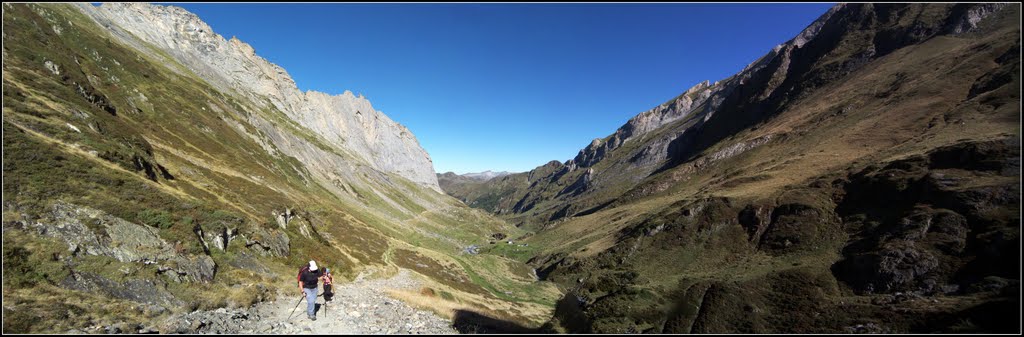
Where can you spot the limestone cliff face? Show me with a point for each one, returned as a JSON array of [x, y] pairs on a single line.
[[351, 122], [701, 101], [345, 121], [692, 101]]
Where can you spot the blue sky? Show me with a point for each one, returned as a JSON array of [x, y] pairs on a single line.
[[509, 87]]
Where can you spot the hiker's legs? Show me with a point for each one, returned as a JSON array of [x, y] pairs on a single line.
[[310, 301]]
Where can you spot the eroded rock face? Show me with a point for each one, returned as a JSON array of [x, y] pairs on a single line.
[[688, 103], [702, 100], [89, 231], [283, 218], [189, 269], [117, 238], [972, 16], [142, 291], [266, 242], [345, 121]]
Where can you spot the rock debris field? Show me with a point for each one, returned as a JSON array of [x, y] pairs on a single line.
[[359, 307]]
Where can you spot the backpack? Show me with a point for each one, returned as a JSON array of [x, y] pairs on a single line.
[[305, 270]]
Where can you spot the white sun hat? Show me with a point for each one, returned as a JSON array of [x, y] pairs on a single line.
[[312, 265]]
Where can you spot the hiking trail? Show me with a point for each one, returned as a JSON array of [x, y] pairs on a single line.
[[358, 307]]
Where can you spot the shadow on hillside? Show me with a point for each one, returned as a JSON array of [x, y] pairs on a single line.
[[568, 315], [468, 322]]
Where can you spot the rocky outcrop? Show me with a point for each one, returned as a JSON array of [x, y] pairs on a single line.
[[266, 242], [972, 15], [193, 268], [283, 217], [88, 231], [345, 121], [920, 218], [109, 235], [137, 290]]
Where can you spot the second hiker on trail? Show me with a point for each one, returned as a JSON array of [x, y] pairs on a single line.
[[328, 285], [309, 277]]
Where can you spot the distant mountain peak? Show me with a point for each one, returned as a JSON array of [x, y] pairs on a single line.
[[486, 175]]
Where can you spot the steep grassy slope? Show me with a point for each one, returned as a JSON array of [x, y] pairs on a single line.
[[102, 140], [864, 180]]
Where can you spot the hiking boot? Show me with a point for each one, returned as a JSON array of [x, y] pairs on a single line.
[[312, 318]]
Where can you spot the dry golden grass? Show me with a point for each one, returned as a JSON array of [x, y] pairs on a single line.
[[530, 314], [429, 302], [575, 233], [49, 309]]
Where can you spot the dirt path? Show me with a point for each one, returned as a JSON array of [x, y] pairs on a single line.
[[359, 307]]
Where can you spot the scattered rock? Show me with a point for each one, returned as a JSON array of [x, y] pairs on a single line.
[[52, 67], [361, 307], [147, 330], [867, 328], [142, 291]]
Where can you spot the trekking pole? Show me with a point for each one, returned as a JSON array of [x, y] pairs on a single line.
[[325, 304], [296, 306]]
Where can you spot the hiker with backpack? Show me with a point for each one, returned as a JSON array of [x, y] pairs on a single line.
[[309, 277], [328, 285]]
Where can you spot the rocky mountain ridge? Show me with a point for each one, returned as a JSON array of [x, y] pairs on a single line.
[[835, 184], [475, 176], [650, 151], [680, 129], [702, 101], [486, 175], [346, 121]]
